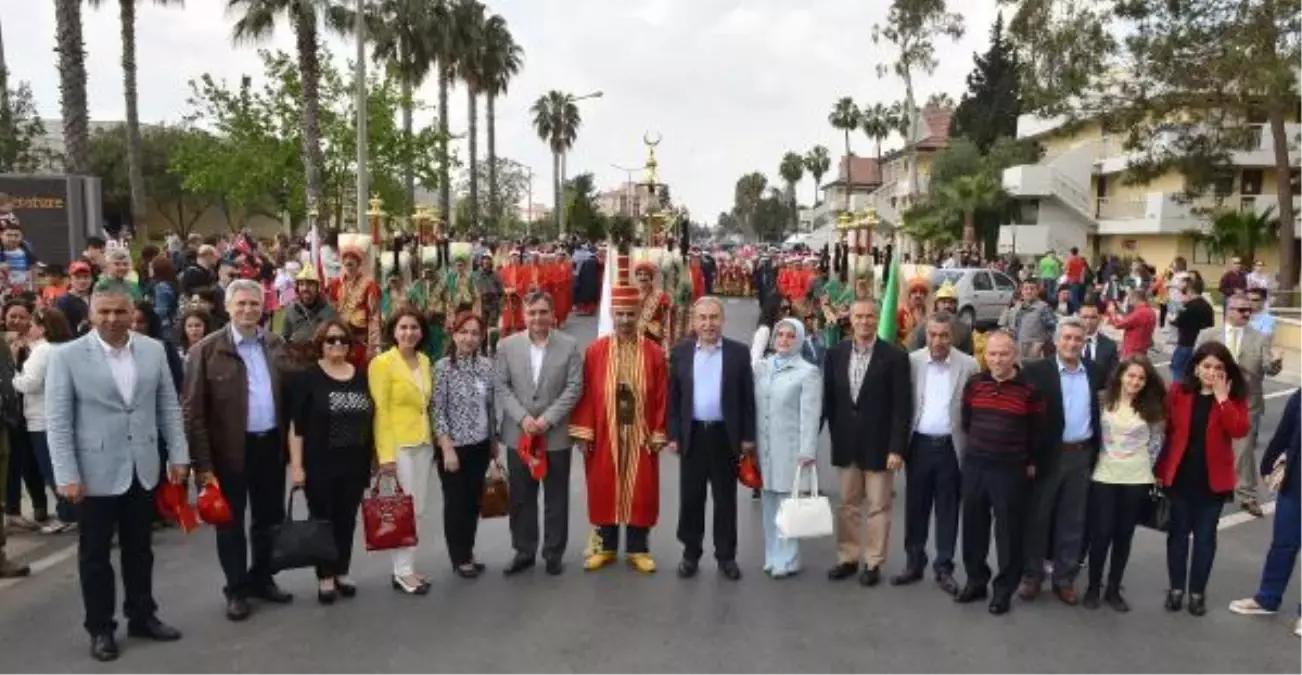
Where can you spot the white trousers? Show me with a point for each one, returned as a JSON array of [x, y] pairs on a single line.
[[414, 466]]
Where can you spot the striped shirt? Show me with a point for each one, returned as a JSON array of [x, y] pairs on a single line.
[[1003, 420]]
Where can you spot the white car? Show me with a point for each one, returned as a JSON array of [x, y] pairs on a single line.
[[983, 294]]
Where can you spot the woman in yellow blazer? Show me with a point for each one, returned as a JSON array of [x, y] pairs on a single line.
[[402, 385]]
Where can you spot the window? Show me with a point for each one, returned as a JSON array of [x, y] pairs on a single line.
[[1251, 183], [981, 281], [1028, 212], [1002, 282], [1223, 185]]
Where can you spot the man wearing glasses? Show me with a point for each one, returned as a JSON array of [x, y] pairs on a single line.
[[1256, 356]]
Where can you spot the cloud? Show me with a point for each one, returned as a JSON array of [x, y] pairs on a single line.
[[730, 84]]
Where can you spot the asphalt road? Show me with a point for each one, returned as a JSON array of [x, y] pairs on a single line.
[[618, 621]]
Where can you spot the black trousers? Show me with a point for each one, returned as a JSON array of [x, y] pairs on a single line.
[[709, 462], [524, 505], [636, 541], [334, 494], [24, 471], [993, 490], [130, 515], [260, 491], [1055, 525], [1114, 512], [462, 491], [932, 479]]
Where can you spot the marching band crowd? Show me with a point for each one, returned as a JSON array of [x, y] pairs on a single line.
[[1045, 431]]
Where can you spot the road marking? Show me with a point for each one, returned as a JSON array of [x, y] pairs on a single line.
[[50, 561], [1244, 517], [1277, 394], [1159, 364]]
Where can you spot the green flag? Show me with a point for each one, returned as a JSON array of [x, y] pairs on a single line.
[[886, 328]]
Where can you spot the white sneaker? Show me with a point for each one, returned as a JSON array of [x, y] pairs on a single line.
[[1249, 607], [1297, 628], [55, 526]]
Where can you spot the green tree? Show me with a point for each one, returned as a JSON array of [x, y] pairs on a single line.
[[967, 195], [556, 120], [21, 134], [1238, 233], [941, 100], [135, 157], [581, 206], [878, 123], [792, 169], [470, 20], [817, 162], [509, 180], [989, 108], [746, 198], [164, 190], [845, 117], [931, 224], [502, 60], [771, 216], [71, 48], [911, 28]]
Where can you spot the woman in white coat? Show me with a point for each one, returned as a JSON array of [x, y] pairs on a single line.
[[788, 406]]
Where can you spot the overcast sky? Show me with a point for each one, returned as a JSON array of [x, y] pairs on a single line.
[[730, 84]]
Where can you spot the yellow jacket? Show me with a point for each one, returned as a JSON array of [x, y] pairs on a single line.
[[402, 408]]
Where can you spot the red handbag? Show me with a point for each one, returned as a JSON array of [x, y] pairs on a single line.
[[389, 521], [212, 505], [748, 472], [173, 504]]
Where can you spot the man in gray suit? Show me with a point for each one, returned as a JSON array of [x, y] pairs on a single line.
[[939, 372], [539, 378], [108, 397], [1254, 352]]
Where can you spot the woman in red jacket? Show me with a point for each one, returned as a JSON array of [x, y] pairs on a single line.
[[1206, 411]]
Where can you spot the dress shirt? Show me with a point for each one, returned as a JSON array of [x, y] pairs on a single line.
[[122, 365], [1091, 348], [536, 355], [937, 390], [1075, 384], [859, 360], [707, 383], [262, 404], [1234, 340], [1263, 322]]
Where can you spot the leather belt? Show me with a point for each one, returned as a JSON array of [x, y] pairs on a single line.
[[933, 439], [712, 424], [1074, 446]]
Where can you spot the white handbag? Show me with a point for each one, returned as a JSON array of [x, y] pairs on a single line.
[[804, 517]]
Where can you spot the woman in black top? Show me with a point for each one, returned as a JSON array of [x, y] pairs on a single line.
[[1195, 315], [330, 446]]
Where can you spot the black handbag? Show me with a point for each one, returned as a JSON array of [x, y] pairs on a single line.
[[1156, 513], [301, 543]]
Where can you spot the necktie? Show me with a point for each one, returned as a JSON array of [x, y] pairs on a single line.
[[1089, 352], [1234, 343]]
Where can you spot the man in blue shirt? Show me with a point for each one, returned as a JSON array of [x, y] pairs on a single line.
[[1261, 319]]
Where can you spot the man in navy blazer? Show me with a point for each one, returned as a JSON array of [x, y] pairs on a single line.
[[711, 421]]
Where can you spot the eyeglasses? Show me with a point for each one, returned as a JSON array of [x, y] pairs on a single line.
[[336, 340]]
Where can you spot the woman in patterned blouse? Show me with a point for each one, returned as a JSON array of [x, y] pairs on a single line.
[[465, 426]]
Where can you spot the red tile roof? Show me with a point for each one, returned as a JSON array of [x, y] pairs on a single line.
[[936, 122], [864, 171]]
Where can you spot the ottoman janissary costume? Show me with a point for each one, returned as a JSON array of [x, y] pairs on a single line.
[[356, 298], [427, 295], [654, 314], [621, 418]]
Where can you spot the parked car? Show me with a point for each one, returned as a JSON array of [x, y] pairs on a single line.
[[983, 294]]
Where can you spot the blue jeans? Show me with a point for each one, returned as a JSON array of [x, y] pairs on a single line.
[[1050, 289], [1281, 557], [780, 555], [64, 510], [1179, 362], [1195, 517]]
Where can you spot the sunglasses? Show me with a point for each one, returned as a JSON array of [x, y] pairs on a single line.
[[335, 340], [1242, 310]]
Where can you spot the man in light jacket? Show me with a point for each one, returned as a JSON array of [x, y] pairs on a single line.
[[939, 372], [539, 379]]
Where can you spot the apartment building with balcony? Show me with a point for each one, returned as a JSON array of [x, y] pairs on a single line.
[[1080, 194], [629, 199]]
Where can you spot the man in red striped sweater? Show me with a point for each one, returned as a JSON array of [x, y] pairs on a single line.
[[1002, 415]]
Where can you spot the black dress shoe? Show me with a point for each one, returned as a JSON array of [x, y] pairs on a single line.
[[971, 593], [518, 564], [1112, 596], [479, 567], [345, 589], [843, 571], [1197, 604], [946, 582], [870, 576], [467, 571], [999, 606], [274, 594], [687, 568], [153, 629], [1091, 599], [729, 570], [103, 647], [237, 609], [555, 567], [1174, 601], [908, 576]]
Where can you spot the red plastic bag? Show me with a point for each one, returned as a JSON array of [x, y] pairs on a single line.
[[748, 472], [212, 505], [173, 504], [533, 454], [389, 521]]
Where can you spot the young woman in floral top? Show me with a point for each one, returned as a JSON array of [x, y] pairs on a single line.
[[465, 426]]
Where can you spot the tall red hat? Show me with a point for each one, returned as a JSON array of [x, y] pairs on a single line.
[[623, 295]]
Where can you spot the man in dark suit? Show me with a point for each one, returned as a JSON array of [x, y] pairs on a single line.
[[1067, 452], [868, 406], [711, 425], [1100, 352]]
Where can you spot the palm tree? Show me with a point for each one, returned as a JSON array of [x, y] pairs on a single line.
[[258, 21], [556, 119], [899, 119], [845, 117], [135, 161], [72, 86], [450, 46], [817, 162], [502, 60], [401, 33], [878, 124], [792, 169], [1242, 232], [940, 100], [966, 195], [469, 21]]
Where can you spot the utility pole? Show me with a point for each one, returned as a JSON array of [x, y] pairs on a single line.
[[362, 135]]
